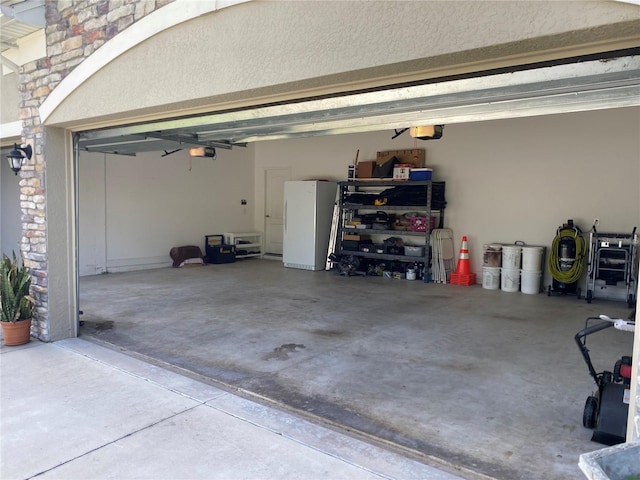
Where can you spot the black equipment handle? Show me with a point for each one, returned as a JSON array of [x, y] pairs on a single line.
[[582, 343]]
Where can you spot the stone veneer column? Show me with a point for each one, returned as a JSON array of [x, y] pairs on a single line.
[[74, 31]]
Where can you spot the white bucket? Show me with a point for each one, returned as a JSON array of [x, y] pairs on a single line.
[[491, 278], [530, 282], [511, 256], [532, 258], [510, 279], [492, 255]]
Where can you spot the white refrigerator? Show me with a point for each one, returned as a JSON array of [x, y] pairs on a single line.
[[308, 212]]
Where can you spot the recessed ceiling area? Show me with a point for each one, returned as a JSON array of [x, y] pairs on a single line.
[[18, 19], [571, 87]]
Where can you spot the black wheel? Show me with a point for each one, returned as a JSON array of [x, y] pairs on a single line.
[[578, 292], [589, 296], [590, 412], [549, 291]]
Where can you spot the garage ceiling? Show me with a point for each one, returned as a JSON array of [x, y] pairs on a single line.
[[590, 84]]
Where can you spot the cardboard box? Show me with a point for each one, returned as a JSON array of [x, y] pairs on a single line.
[[357, 238], [414, 157], [365, 169], [419, 224]]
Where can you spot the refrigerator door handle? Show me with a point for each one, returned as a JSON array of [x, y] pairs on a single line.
[[285, 216]]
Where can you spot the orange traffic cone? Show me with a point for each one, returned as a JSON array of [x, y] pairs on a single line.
[[463, 275], [463, 259]]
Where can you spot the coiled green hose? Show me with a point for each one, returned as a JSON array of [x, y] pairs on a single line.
[[575, 272]]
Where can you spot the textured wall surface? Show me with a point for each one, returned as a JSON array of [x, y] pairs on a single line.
[[10, 98], [258, 50]]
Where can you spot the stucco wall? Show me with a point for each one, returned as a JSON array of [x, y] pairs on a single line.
[[254, 50], [9, 98]]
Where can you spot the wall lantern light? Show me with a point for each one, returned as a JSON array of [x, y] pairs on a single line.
[[17, 156]]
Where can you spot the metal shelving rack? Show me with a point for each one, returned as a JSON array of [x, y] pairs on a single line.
[[348, 209], [613, 266]]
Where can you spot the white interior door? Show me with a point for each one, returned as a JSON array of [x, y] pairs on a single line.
[[274, 208]]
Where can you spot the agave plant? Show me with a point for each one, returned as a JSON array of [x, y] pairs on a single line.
[[15, 302]]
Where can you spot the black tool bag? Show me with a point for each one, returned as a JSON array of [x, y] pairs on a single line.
[[403, 195], [385, 170], [362, 198], [414, 195], [382, 217]]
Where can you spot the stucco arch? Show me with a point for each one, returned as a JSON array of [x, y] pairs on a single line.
[[173, 14], [205, 59]]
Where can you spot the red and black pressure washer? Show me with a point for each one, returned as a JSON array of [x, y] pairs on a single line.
[[606, 410]]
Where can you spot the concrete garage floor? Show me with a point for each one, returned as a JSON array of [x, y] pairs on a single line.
[[489, 382]]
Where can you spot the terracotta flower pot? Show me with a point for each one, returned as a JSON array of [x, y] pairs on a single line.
[[17, 333]]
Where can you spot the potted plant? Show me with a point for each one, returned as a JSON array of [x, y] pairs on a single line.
[[16, 304]]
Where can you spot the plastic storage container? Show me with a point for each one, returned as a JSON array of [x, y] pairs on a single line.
[[511, 256], [420, 174], [413, 251], [530, 282], [510, 279], [221, 254], [491, 278], [492, 255], [532, 258], [419, 224], [213, 240]]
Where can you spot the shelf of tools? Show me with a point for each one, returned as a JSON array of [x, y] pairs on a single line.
[[367, 215], [612, 268]]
